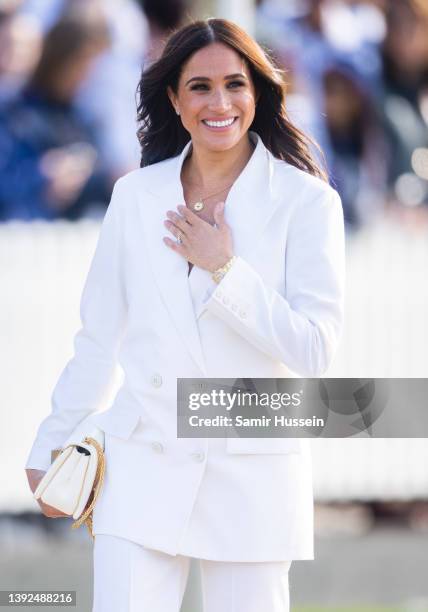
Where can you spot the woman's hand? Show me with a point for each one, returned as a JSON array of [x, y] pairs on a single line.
[[204, 246], [34, 477]]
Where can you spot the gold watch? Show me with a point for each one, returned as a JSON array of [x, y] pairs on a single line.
[[218, 274]]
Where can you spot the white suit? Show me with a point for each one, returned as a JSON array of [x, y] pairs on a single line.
[[277, 313]]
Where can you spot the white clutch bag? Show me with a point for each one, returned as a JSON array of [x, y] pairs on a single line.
[[74, 479]]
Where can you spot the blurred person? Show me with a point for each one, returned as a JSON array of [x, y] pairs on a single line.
[[163, 16], [295, 34], [20, 47], [48, 162], [355, 26], [337, 104], [223, 255], [46, 12], [405, 104], [359, 152], [331, 98], [106, 97]]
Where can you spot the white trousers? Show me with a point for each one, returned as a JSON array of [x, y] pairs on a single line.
[[131, 578]]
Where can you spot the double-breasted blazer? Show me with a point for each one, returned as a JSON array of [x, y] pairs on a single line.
[[277, 313]]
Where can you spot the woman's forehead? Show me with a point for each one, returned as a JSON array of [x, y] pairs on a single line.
[[215, 60]]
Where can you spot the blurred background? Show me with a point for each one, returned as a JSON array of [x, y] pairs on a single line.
[[357, 74]]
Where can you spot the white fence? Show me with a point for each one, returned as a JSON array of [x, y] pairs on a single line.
[[42, 269]]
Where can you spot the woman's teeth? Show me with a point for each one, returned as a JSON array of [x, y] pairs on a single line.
[[219, 123]]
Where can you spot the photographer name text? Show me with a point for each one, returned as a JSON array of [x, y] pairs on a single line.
[[263, 421]]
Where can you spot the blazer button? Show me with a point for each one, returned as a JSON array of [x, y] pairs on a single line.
[[157, 447], [156, 380], [226, 300], [242, 314], [199, 457]]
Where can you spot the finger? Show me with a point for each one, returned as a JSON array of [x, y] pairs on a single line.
[[179, 221], [56, 511], [47, 510], [55, 516], [51, 509], [175, 231], [191, 217], [58, 514], [219, 215], [175, 246], [53, 513]]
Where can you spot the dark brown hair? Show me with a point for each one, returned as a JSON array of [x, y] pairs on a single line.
[[161, 133]]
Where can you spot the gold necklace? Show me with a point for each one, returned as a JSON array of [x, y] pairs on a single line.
[[199, 205]]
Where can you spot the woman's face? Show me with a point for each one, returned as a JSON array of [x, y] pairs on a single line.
[[215, 86]]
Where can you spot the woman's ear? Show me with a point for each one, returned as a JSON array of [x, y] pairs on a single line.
[[173, 99]]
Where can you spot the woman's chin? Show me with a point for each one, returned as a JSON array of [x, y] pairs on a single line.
[[220, 141]]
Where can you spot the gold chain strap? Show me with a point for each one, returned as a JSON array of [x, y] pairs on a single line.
[[86, 516], [218, 274]]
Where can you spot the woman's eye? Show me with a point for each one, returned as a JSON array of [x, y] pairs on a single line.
[[204, 87], [198, 86]]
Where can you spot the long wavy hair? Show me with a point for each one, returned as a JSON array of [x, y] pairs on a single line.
[[161, 133]]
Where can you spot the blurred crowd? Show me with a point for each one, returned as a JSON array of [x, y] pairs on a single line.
[[357, 74], [69, 70]]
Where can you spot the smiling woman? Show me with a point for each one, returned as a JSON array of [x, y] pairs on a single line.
[[221, 84], [223, 74], [234, 183], [217, 109], [220, 103]]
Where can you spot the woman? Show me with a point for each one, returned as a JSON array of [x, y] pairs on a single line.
[[247, 283], [49, 166]]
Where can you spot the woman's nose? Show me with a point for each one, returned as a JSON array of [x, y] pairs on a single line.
[[220, 101]]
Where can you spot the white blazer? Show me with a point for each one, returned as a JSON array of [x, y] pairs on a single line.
[[277, 313]]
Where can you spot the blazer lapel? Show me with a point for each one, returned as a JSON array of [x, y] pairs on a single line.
[[170, 269]]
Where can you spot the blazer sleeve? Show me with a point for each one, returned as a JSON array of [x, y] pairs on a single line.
[[87, 375], [301, 326]]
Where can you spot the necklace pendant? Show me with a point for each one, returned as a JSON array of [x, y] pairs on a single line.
[[198, 206]]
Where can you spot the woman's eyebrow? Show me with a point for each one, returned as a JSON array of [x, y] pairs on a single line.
[[229, 76]]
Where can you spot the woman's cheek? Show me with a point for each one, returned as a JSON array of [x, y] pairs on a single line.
[[247, 103]]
